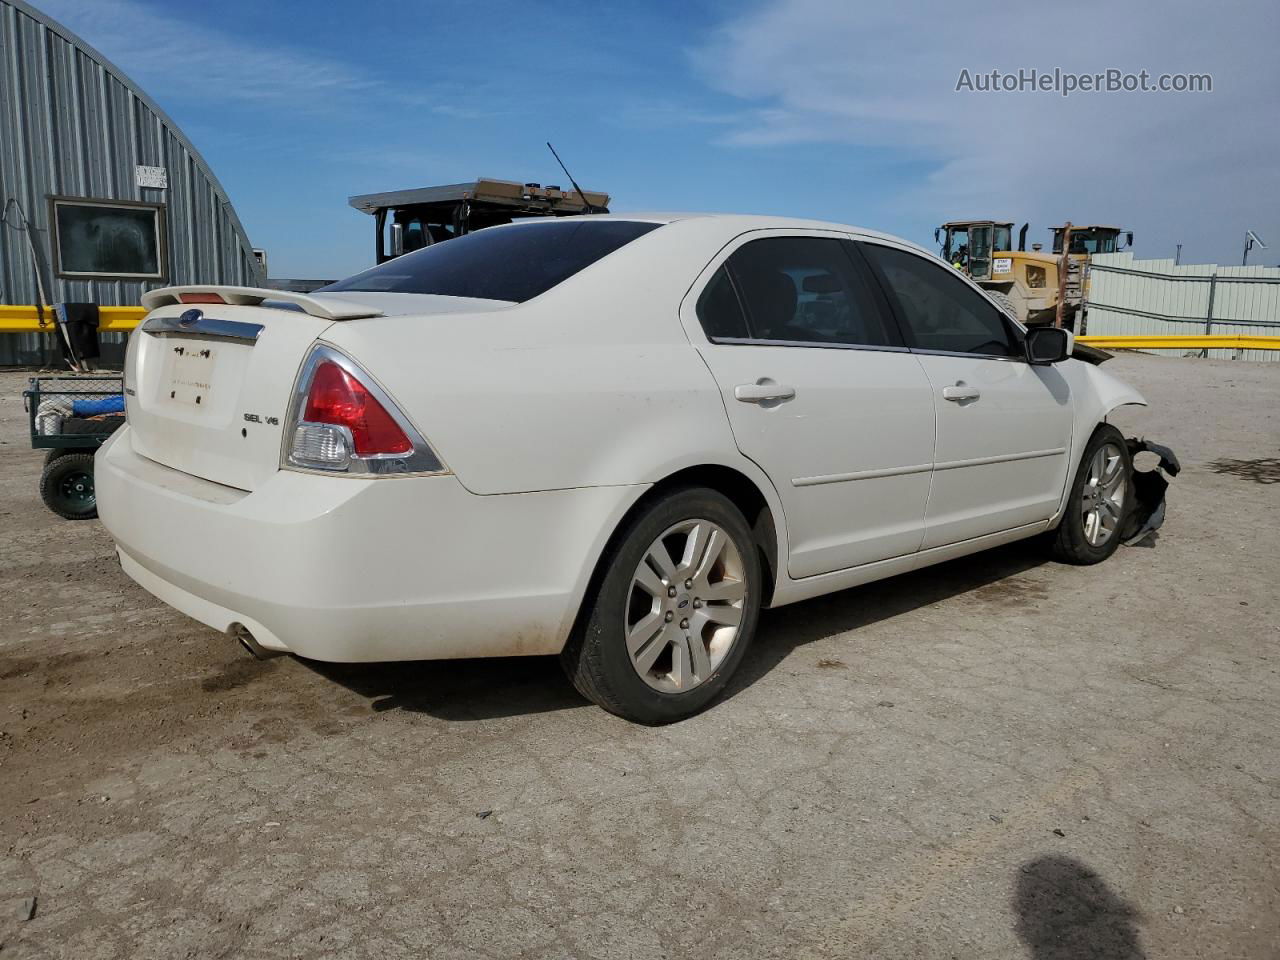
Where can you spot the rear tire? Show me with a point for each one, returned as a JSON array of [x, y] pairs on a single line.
[[671, 611], [66, 486], [1099, 502]]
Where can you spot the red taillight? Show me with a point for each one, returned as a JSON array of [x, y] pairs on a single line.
[[200, 298], [338, 398]]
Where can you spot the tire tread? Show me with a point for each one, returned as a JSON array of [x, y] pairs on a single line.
[[52, 474], [1068, 544], [583, 655]]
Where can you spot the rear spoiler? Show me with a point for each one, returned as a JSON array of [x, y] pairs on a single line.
[[326, 308]]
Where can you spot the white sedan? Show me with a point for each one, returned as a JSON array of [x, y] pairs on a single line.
[[611, 438]]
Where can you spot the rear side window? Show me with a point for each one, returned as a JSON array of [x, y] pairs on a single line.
[[808, 290], [720, 310], [940, 310], [514, 263]]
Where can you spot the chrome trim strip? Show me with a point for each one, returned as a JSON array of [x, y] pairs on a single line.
[[819, 345], [922, 467], [970, 356], [1003, 458], [204, 328], [861, 475]]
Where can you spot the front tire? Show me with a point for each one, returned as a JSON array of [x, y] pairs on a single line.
[[1100, 501], [673, 608], [66, 486]]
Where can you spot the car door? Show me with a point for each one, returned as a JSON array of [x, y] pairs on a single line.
[[821, 392], [1003, 425]]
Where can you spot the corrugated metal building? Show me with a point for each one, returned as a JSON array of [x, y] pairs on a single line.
[[1129, 297], [100, 181]]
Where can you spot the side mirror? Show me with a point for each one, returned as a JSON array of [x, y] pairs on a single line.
[[1129, 239], [1048, 345], [936, 232]]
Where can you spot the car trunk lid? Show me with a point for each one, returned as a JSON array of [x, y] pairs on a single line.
[[210, 373]]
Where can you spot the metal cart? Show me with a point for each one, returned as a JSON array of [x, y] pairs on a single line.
[[71, 416]]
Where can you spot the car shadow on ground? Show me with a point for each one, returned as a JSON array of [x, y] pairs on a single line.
[[461, 690], [785, 629], [1065, 911]]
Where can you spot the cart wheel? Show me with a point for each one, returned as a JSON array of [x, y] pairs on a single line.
[[55, 453], [66, 486]]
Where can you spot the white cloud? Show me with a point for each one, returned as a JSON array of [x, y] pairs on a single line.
[[1197, 168]]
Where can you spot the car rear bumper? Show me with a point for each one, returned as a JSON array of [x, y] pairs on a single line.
[[356, 569]]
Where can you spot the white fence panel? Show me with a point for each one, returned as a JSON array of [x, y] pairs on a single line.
[[1129, 297]]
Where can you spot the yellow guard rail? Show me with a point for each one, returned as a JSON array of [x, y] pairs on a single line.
[[23, 319]]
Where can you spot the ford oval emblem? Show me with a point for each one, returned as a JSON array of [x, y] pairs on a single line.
[[190, 318]]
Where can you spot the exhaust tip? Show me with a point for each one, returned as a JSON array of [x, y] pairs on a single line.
[[257, 650]]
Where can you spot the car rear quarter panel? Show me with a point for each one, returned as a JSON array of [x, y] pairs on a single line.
[[592, 384]]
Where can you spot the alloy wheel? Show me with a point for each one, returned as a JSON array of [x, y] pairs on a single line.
[[1103, 497], [685, 606]]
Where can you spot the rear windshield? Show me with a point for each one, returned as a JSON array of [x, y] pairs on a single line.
[[515, 263]]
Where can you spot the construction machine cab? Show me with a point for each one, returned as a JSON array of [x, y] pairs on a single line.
[[1086, 241], [969, 245], [407, 220]]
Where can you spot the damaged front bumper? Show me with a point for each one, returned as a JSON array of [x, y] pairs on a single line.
[[1149, 488]]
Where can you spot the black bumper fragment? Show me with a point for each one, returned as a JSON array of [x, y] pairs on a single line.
[[1149, 488]]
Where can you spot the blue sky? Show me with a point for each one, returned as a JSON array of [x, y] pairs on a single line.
[[838, 110]]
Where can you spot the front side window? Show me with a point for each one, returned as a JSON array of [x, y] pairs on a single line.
[[942, 312], [513, 263], [808, 290], [105, 238]]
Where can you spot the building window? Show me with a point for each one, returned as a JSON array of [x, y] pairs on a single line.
[[119, 239]]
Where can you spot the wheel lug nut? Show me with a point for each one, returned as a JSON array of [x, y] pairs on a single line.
[[688, 584], [697, 604], [670, 616], [671, 591], [684, 624]]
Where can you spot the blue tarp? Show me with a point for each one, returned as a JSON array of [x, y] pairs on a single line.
[[94, 405]]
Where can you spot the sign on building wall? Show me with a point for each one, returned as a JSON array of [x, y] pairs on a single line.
[[157, 177]]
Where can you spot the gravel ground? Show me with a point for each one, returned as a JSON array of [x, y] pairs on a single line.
[[999, 757]]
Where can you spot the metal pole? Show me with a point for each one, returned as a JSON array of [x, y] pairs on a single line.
[[1250, 238], [1082, 321], [1213, 286], [1064, 267]]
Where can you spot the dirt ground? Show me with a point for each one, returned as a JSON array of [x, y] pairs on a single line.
[[999, 757]]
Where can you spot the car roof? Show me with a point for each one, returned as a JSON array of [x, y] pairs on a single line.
[[731, 223]]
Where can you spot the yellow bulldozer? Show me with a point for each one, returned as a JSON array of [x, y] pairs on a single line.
[[1033, 286]]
